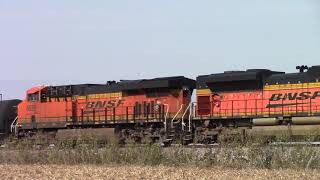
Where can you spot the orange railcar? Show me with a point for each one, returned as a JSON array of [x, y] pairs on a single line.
[[259, 93], [100, 105]]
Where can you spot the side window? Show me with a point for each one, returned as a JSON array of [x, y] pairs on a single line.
[[33, 97]]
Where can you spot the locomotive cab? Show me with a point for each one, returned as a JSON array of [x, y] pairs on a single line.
[[37, 94], [28, 108]]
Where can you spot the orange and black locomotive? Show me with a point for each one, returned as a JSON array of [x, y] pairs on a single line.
[[258, 100], [137, 105]]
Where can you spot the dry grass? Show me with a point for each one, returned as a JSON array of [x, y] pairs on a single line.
[[257, 157], [93, 161], [145, 172], [90, 153]]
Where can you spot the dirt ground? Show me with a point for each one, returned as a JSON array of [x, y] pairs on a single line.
[[136, 172]]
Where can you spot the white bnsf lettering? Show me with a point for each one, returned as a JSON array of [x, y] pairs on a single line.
[[104, 104], [295, 96]]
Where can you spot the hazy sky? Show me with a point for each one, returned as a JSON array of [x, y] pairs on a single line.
[[81, 41]]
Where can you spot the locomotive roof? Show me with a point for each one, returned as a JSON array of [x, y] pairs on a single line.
[[35, 89], [228, 76], [250, 75], [255, 79], [126, 85], [312, 75]]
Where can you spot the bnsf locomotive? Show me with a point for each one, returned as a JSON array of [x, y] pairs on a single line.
[[253, 101], [133, 109], [265, 101]]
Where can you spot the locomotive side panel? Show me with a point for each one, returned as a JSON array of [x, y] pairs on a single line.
[[232, 104], [293, 99], [90, 105], [33, 115], [239, 104], [130, 107]]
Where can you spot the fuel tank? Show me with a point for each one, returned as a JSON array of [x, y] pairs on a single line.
[[265, 122]]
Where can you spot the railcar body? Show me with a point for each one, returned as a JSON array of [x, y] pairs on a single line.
[[259, 93], [104, 105], [259, 97]]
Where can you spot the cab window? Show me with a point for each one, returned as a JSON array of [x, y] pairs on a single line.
[[33, 97]]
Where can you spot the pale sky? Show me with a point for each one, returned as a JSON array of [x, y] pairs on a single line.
[[78, 41]]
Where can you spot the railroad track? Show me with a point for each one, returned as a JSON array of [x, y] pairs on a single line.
[[275, 144], [197, 146], [295, 144]]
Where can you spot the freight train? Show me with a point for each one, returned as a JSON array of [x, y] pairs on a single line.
[[232, 103]]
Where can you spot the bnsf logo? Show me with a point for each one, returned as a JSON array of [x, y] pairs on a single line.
[[104, 104], [295, 96]]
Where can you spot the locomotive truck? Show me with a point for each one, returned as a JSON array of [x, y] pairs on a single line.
[[161, 109]]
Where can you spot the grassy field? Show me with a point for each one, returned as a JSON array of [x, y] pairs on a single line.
[[146, 172], [80, 160], [261, 157]]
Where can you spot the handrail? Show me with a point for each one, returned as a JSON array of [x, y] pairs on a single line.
[[13, 126], [182, 119], [190, 115], [176, 116], [165, 117], [258, 108]]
